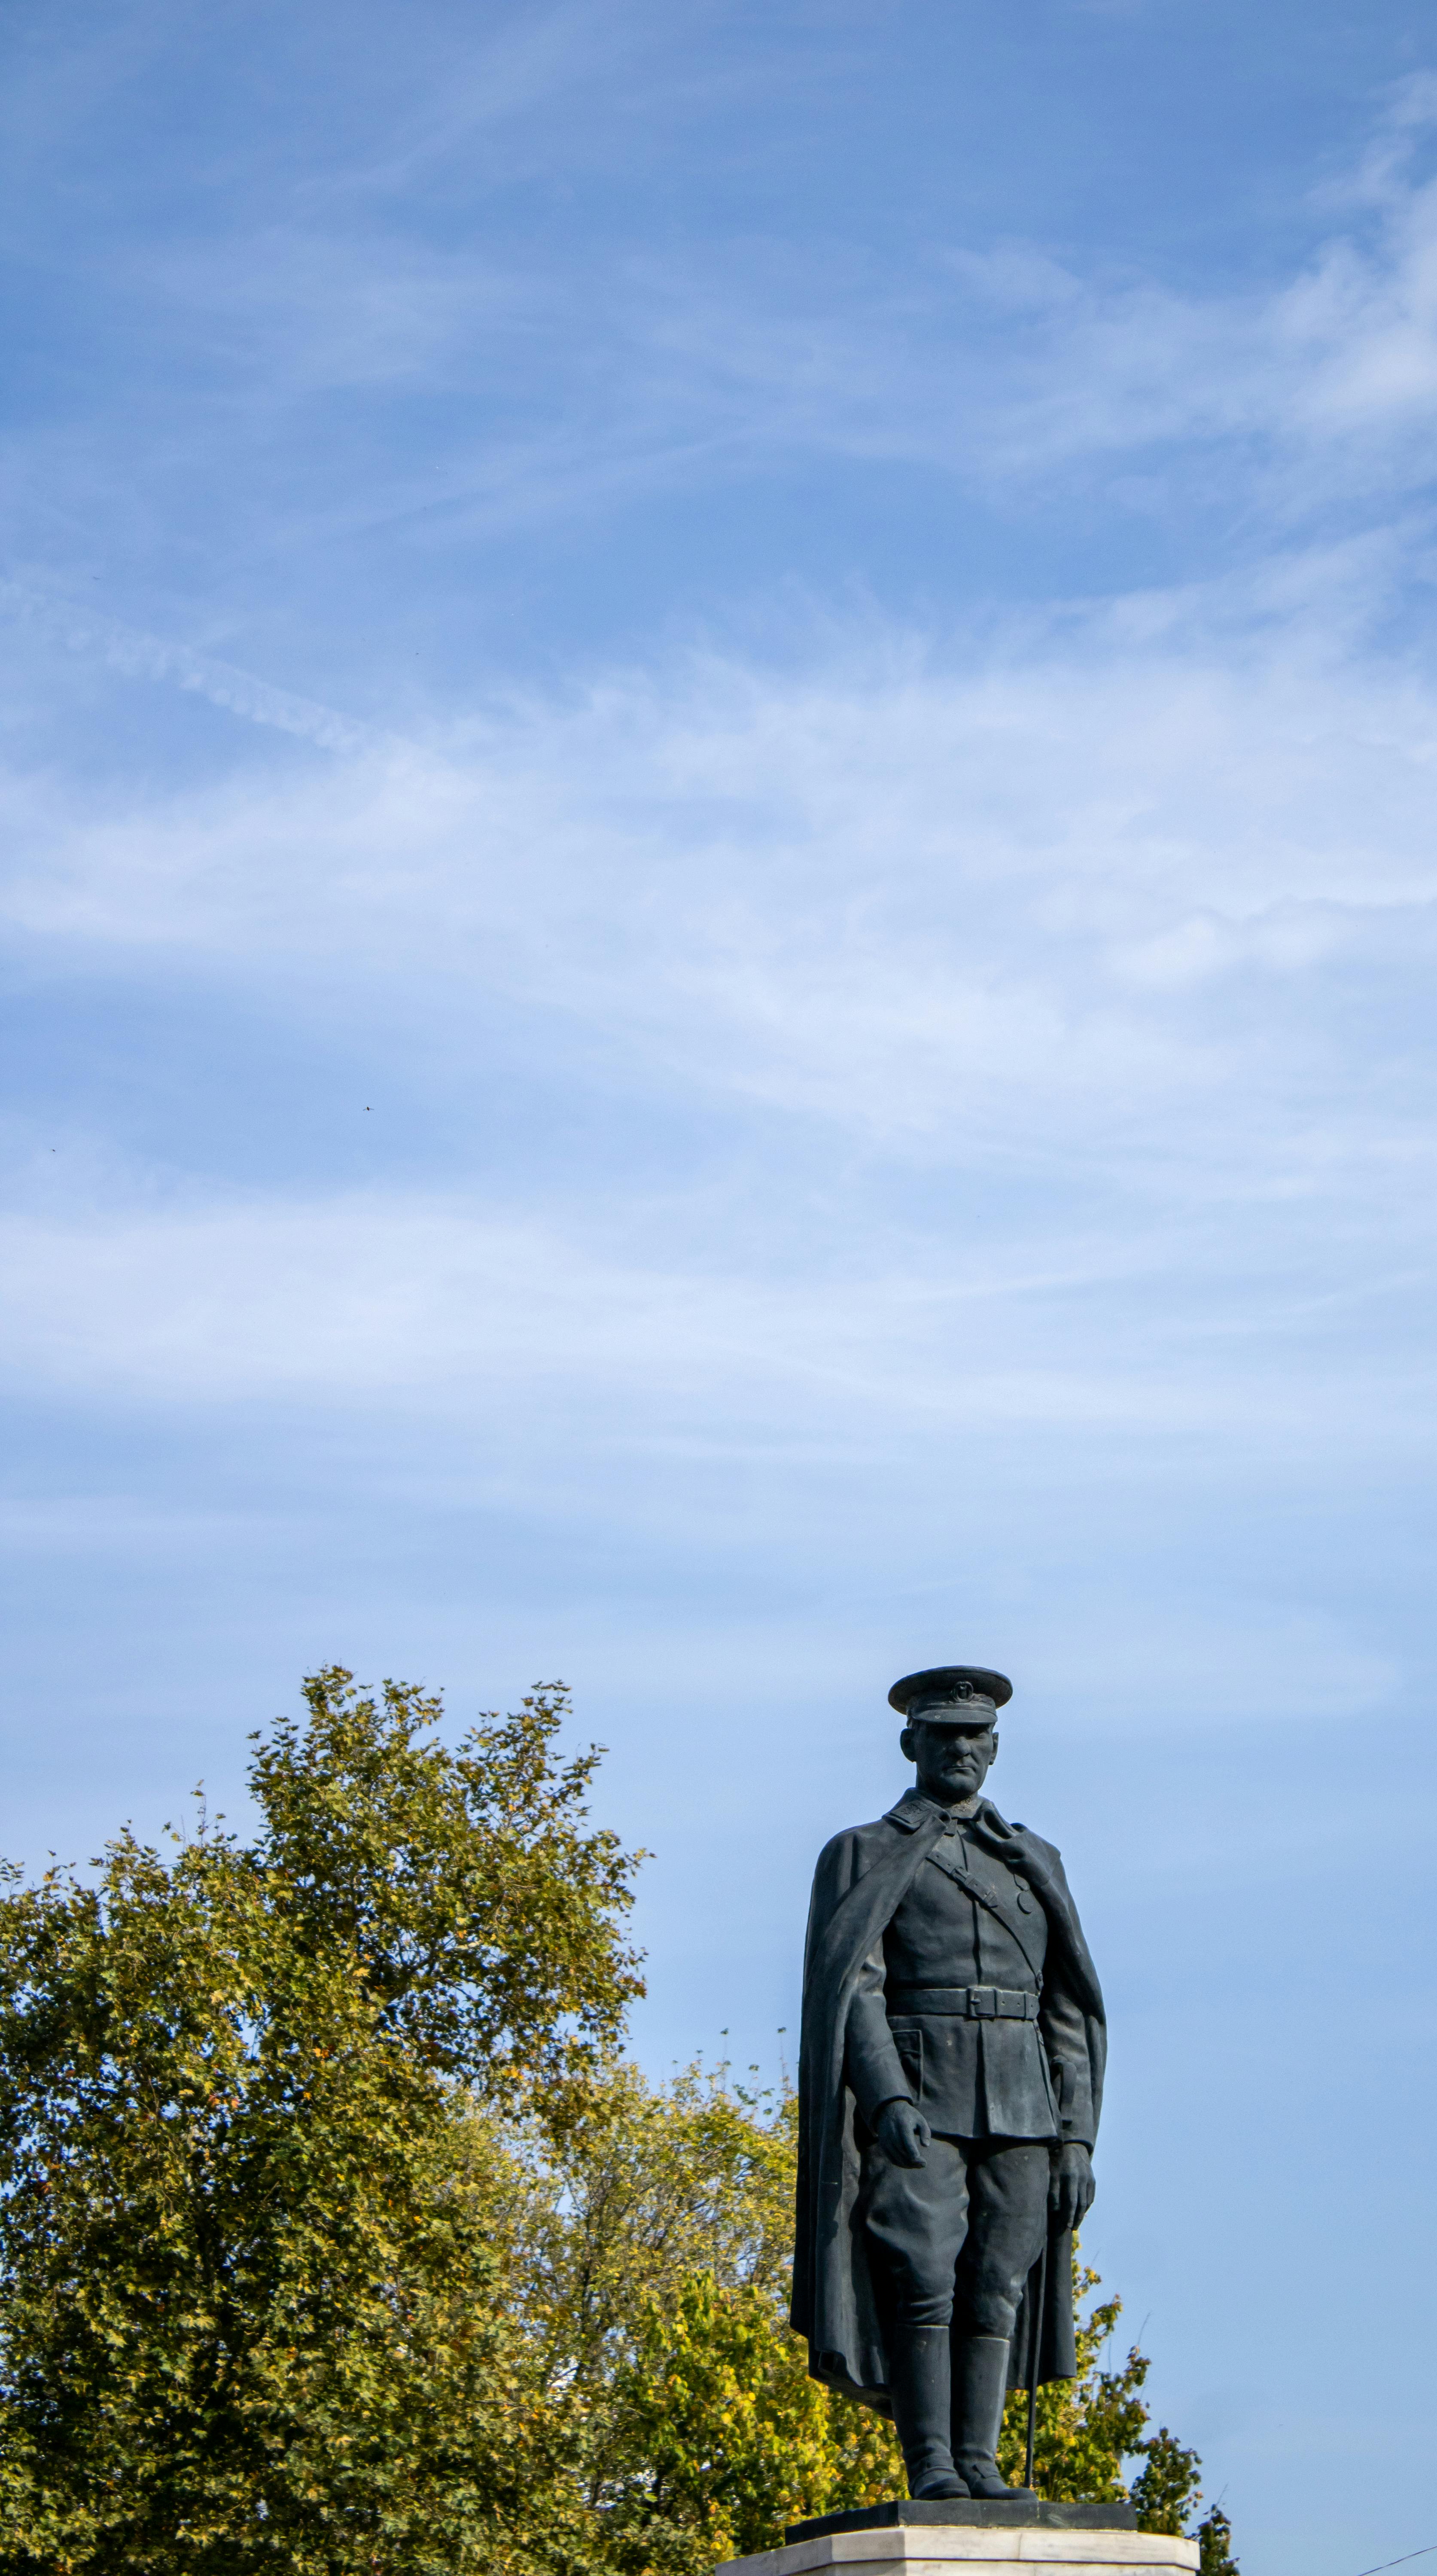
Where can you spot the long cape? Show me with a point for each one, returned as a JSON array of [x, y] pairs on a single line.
[[861, 1879]]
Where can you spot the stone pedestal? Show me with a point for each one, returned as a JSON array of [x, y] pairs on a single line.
[[941, 2539]]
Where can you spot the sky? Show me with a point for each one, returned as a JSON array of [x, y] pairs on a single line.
[[718, 731]]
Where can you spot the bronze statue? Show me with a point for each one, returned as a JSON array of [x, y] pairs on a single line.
[[950, 2076]]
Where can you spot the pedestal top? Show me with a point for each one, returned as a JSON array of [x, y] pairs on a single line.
[[1022, 2507], [940, 2539]]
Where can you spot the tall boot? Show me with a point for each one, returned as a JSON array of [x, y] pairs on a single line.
[[921, 2388], [980, 2387]]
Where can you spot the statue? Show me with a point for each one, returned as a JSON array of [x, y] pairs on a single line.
[[950, 2078]]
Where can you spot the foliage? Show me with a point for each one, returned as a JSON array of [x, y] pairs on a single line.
[[1215, 2534], [1088, 2428], [336, 2236], [250, 2322], [647, 2257]]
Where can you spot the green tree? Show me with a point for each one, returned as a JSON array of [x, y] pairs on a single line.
[[336, 2236], [251, 2319], [648, 2260], [1089, 2428], [647, 2255], [1215, 2535]]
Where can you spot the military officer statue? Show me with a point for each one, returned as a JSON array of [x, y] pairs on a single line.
[[950, 2078]]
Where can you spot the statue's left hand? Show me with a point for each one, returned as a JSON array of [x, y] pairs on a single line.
[[1072, 2188]]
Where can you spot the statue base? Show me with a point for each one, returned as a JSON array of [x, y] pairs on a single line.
[[908, 2539]]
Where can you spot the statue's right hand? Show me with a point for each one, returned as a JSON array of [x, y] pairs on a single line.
[[903, 2134]]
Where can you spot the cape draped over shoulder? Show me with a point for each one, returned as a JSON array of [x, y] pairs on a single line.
[[861, 1879]]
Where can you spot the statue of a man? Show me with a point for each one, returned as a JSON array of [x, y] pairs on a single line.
[[950, 2078]]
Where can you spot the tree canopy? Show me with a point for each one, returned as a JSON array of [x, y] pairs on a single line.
[[648, 2262], [248, 2321], [337, 2234]]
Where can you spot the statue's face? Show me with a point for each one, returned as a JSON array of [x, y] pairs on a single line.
[[953, 1761]]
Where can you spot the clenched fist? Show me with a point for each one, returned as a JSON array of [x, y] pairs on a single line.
[[903, 2133]]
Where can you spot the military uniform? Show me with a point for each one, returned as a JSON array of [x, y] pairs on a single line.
[[945, 1968], [948, 2013], [949, 2006]]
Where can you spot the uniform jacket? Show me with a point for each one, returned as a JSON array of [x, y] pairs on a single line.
[[867, 1933]]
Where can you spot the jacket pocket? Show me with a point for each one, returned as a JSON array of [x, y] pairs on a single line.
[[909, 2044]]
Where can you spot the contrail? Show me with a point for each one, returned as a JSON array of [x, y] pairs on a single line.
[[143, 656]]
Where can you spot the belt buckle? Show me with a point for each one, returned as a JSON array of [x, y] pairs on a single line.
[[982, 2003]]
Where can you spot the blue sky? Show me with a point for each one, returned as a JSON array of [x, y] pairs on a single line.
[[718, 758]]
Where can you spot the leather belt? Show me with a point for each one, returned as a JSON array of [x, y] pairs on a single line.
[[970, 2003]]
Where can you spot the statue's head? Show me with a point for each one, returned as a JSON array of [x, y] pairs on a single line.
[[948, 1729]]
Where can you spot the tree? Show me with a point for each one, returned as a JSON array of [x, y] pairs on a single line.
[[648, 2260], [1088, 2428], [249, 2319], [647, 2257], [336, 2235], [1215, 2534]]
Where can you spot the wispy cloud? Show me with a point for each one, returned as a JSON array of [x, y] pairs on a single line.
[[1078, 879], [424, 1309], [1138, 900], [318, 313], [133, 653], [1011, 362]]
